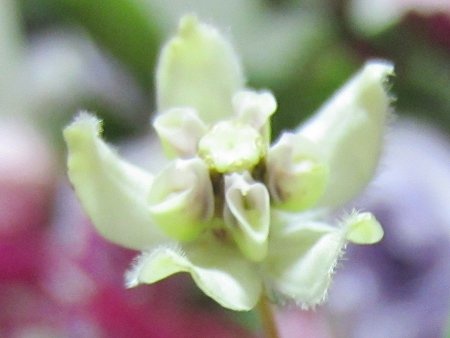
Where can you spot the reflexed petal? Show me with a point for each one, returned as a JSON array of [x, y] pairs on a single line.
[[198, 68], [350, 129], [363, 228], [179, 130], [181, 199], [220, 272], [296, 173], [113, 192], [247, 214], [301, 260]]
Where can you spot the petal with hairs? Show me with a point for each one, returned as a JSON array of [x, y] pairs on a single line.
[[113, 192]]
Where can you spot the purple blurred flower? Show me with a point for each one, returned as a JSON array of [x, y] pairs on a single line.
[[399, 288]]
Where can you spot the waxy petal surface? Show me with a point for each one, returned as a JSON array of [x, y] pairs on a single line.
[[349, 129], [219, 271], [199, 69], [301, 260]]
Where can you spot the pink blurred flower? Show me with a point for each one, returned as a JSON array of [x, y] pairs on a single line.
[[83, 275], [27, 175]]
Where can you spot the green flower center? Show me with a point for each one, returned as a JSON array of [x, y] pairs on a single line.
[[231, 147]]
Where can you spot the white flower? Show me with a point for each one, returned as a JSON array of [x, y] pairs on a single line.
[[231, 210]]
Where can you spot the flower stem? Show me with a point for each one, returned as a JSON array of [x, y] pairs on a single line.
[[267, 318]]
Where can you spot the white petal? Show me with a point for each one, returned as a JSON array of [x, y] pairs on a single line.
[[349, 129], [254, 108], [179, 130], [198, 68], [247, 214], [301, 260], [181, 199], [220, 272], [113, 192]]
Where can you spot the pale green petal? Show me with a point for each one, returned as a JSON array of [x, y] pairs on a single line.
[[350, 130], [181, 199], [301, 260], [198, 68], [112, 192], [296, 173], [179, 130], [247, 214], [220, 272], [363, 228]]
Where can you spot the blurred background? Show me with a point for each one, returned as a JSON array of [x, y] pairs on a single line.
[[59, 279]]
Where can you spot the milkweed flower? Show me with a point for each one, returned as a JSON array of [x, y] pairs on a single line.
[[238, 214]]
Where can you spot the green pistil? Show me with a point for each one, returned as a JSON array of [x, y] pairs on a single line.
[[231, 147]]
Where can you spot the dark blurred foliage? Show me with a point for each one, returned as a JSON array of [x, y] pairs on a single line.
[[123, 27], [325, 49], [420, 49]]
